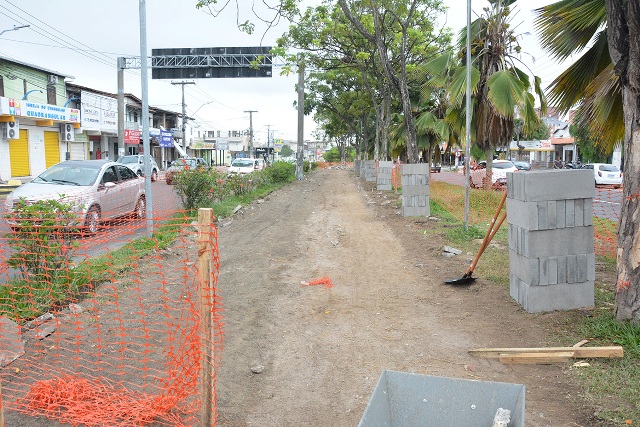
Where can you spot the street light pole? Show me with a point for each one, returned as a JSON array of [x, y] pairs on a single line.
[[15, 28], [184, 113]]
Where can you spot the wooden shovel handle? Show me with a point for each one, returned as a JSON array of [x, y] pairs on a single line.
[[491, 231]]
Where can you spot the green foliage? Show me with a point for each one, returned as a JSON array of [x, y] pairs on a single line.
[[589, 152], [286, 151], [194, 186], [41, 239], [333, 154], [281, 172]]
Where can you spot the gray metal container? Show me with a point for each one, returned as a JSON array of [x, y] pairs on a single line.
[[403, 399]]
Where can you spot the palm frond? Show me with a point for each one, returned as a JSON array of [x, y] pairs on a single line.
[[569, 87], [568, 26], [505, 92]]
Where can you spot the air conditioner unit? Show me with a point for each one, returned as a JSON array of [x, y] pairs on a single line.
[[67, 132], [12, 130], [53, 79]]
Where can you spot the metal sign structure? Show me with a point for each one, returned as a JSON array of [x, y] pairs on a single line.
[[206, 62]]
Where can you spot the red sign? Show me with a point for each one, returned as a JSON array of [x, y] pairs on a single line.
[[132, 136]]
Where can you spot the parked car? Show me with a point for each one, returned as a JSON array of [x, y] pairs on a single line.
[[605, 174], [99, 190], [246, 165], [136, 163], [522, 165], [181, 164], [498, 177]]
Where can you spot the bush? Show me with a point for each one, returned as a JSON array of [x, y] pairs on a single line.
[[42, 239], [281, 172], [195, 186]]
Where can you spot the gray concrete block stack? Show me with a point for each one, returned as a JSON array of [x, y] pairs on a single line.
[[551, 253], [385, 176], [369, 170], [415, 189]]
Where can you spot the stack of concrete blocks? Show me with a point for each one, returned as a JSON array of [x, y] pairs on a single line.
[[369, 170], [357, 164], [415, 189], [385, 176], [551, 253]]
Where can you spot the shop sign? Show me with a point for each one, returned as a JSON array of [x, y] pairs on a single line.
[[166, 138], [36, 111], [132, 136], [99, 112]]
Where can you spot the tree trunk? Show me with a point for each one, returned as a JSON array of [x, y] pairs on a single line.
[[386, 120], [488, 181], [623, 32]]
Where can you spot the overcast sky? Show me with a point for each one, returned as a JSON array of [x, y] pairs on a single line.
[[83, 39]]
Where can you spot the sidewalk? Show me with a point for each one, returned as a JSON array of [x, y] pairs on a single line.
[[8, 186]]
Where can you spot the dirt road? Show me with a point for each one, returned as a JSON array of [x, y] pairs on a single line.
[[320, 351]]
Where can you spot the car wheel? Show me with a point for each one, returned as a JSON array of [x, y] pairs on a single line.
[[92, 220], [141, 208], [154, 175]]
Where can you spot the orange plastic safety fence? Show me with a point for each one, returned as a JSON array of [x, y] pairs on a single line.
[[606, 217], [324, 281], [103, 327]]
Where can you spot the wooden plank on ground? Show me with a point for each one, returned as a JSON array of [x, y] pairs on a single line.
[[578, 352], [536, 358]]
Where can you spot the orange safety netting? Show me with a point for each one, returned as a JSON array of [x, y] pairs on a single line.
[[324, 281], [119, 327]]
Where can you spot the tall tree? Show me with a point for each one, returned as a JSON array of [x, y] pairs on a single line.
[[396, 28], [608, 73], [501, 88]]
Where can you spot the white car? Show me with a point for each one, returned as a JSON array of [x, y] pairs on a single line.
[[99, 190], [498, 177], [136, 163], [246, 165], [605, 173]]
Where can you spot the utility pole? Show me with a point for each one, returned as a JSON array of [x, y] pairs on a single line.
[[299, 154], [184, 113], [269, 139], [251, 151]]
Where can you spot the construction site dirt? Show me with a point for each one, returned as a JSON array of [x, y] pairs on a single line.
[[325, 285]]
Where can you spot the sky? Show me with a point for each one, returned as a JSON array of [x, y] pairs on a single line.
[[83, 38]]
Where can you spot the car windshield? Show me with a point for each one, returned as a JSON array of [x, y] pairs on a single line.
[[609, 168], [242, 163], [503, 165], [69, 175], [128, 159]]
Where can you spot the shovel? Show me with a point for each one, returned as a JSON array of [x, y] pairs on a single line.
[[491, 231]]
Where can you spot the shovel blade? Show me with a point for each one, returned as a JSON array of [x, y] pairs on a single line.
[[464, 280]]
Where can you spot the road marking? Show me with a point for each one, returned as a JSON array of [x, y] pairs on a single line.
[[605, 201]]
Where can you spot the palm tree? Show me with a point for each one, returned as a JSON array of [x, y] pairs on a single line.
[[500, 88], [608, 73], [569, 27]]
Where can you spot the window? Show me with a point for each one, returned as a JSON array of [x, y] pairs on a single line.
[[110, 175], [51, 94], [126, 173]]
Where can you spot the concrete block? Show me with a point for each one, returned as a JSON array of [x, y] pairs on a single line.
[[557, 242], [588, 211], [551, 185], [385, 176], [12, 344], [562, 269], [572, 268], [551, 214], [579, 212], [591, 267], [543, 215], [553, 270], [561, 213], [526, 269], [564, 296], [570, 213], [544, 271], [581, 268], [415, 169], [523, 214]]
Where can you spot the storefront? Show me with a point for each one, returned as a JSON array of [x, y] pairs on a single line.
[[34, 136]]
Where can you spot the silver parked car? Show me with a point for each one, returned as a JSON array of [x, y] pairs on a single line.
[[99, 190], [136, 163]]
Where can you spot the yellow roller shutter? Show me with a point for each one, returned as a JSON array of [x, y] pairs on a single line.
[[51, 148], [19, 155]]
